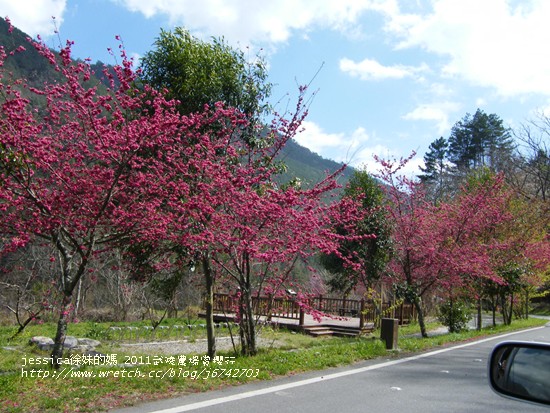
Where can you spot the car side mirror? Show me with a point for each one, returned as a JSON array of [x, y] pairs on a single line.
[[521, 370]]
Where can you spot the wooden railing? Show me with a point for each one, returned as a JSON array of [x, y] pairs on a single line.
[[288, 308]]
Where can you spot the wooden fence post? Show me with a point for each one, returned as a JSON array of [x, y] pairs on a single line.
[[343, 310], [269, 310]]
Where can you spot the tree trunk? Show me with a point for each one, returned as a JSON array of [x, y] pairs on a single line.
[[57, 352], [507, 310], [247, 324], [511, 309], [420, 313], [248, 346], [451, 315], [209, 304], [78, 298], [479, 315], [173, 305], [526, 303], [494, 304]]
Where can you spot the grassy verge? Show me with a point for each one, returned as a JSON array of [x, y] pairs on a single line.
[[111, 387], [542, 308]]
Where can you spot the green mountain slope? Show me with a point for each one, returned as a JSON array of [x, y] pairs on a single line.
[[309, 166]]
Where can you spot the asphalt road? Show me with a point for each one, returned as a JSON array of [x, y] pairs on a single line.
[[453, 379]]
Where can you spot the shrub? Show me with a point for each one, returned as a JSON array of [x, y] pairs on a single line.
[[454, 315]]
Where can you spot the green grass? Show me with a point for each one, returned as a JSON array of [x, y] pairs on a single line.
[[415, 344], [542, 308], [119, 331], [294, 353]]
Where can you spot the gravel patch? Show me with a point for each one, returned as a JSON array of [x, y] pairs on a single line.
[[186, 347]]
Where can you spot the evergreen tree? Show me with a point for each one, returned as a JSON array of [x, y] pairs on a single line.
[[480, 140], [436, 167]]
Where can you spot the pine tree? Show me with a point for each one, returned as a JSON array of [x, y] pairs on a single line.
[[436, 167], [480, 140]]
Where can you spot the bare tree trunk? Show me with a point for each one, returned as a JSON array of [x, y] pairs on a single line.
[[504, 309], [248, 346], [420, 313], [78, 298], [247, 322], [507, 310], [479, 315], [209, 304], [69, 281], [494, 304], [511, 308], [527, 303], [61, 333], [173, 305]]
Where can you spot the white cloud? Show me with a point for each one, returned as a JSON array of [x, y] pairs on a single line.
[[369, 69], [366, 161], [441, 90], [438, 112], [481, 101], [34, 16], [495, 43], [252, 21], [341, 147], [355, 149], [317, 140]]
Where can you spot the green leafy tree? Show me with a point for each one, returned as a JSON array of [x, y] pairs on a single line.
[[371, 254], [196, 73], [435, 160]]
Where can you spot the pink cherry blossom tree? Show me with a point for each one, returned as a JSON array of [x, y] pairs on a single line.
[[235, 219], [443, 246], [85, 170], [261, 235]]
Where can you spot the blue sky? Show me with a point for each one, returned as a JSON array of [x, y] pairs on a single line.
[[392, 76]]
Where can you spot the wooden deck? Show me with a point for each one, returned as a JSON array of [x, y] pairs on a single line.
[[336, 326], [342, 316]]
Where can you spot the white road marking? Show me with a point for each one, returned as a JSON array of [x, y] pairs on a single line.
[[282, 387]]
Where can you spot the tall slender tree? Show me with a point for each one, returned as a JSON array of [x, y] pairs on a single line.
[[370, 253], [436, 168], [198, 73], [533, 161]]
